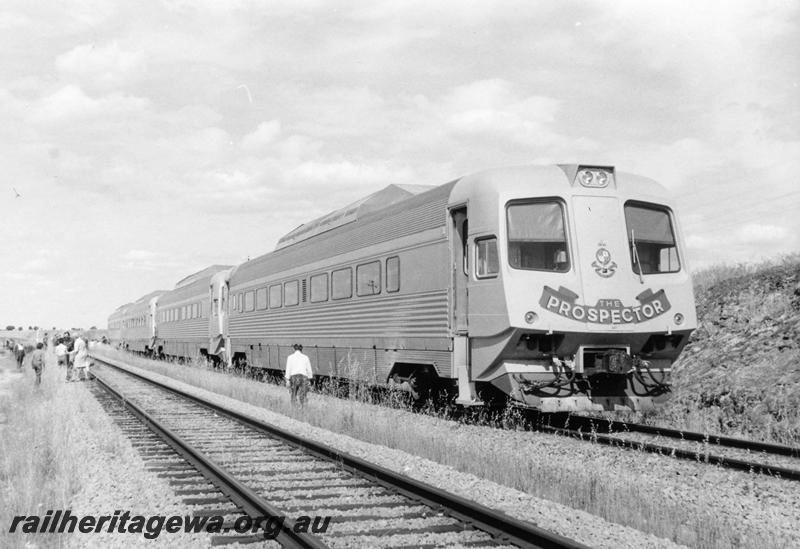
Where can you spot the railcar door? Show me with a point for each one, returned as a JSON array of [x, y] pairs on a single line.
[[218, 317], [460, 272]]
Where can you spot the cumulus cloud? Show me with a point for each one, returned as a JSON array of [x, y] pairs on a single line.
[[494, 108], [755, 233], [262, 136], [105, 65], [70, 104]]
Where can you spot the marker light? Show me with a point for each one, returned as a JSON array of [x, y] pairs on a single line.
[[530, 317], [678, 319]]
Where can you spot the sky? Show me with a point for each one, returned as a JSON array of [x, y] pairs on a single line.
[[148, 140]]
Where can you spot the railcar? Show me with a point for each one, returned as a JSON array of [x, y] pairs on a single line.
[[561, 287], [137, 324], [115, 321], [184, 317]]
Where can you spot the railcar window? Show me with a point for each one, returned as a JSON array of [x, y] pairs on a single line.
[[488, 264], [368, 279], [249, 301], [261, 299], [342, 283], [290, 293], [319, 288], [275, 296], [393, 274], [536, 237], [240, 301], [651, 239]]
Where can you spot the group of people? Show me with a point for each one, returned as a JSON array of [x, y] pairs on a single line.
[[72, 353]]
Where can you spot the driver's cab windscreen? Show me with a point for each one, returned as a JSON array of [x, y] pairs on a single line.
[[536, 236], [651, 239]]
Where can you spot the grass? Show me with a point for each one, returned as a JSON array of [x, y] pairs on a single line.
[[710, 276], [527, 465], [40, 453]]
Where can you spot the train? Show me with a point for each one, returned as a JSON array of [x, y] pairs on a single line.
[[556, 287]]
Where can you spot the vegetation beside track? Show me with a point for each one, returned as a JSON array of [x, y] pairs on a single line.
[[43, 446], [740, 374]]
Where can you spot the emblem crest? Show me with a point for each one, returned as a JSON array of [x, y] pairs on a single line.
[[603, 265]]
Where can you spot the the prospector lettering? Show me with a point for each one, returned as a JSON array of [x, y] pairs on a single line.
[[563, 302]]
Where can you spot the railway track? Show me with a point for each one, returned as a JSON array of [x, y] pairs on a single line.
[[734, 453], [235, 466]]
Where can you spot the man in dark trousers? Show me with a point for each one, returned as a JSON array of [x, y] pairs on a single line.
[[37, 362], [298, 374], [70, 344]]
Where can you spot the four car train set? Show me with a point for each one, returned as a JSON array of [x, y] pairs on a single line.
[[560, 287]]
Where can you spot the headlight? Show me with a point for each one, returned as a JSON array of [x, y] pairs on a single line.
[[678, 318], [530, 317], [595, 177]]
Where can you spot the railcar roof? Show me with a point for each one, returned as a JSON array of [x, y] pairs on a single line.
[[191, 287], [151, 295], [390, 194], [406, 216], [208, 272]]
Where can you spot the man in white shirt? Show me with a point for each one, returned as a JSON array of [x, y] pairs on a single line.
[[61, 353], [298, 374]]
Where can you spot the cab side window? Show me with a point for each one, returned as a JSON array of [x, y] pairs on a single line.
[[487, 264]]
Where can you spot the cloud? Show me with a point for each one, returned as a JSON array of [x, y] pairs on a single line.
[[105, 65], [264, 135], [755, 233], [494, 108], [70, 104], [147, 260]]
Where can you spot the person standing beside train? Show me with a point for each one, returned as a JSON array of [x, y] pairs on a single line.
[[19, 354], [69, 343], [81, 361], [37, 362], [298, 375], [61, 353]]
